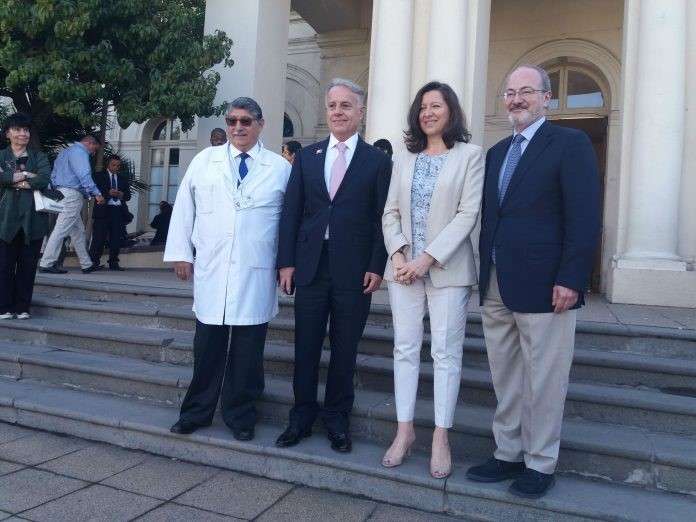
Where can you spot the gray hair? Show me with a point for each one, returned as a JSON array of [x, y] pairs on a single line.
[[545, 80], [247, 104], [352, 86]]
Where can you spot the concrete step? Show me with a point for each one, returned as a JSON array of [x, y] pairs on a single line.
[[644, 340], [667, 374], [608, 451], [631, 406], [146, 427]]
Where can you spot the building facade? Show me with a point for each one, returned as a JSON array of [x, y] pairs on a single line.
[[621, 71]]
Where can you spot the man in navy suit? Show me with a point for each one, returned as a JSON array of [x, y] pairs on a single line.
[[110, 218], [539, 229], [332, 249]]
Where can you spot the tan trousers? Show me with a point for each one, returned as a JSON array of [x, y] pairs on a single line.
[[530, 357]]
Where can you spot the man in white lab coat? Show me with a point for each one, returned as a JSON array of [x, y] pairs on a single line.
[[227, 212]]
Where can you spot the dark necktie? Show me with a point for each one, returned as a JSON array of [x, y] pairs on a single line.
[[513, 160], [113, 184], [243, 169]]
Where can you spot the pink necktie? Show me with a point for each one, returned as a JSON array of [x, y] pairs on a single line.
[[338, 169]]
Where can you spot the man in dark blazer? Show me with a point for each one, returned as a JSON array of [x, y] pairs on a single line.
[[110, 218], [539, 229], [332, 249]]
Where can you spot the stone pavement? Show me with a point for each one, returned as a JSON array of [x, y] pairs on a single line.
[[44, 476]]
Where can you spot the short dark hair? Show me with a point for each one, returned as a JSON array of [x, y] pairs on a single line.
[[292, 146], [248, 104], [218, 130], [18, 119], [113, 157], [385, 145], [416, 140]]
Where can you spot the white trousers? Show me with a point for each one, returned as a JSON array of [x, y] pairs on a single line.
[[530, 357], [69, 222], [447, 307]]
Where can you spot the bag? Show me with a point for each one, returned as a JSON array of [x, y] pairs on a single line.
[[48, 201]]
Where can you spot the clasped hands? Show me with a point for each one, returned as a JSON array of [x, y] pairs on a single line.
[[19, 179], [407, 272]]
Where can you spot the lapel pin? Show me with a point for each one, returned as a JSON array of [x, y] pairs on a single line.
[[319, 151]]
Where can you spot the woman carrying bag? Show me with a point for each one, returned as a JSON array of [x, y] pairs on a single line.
[[21, 228]]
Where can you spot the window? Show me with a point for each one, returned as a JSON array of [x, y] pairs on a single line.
[[575, 88], [288, 127], [164, 165]]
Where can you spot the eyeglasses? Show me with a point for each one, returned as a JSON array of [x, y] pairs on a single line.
[[246, 122], [524, 93]]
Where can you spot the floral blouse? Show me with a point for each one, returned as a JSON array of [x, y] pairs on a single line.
[[425, 175]]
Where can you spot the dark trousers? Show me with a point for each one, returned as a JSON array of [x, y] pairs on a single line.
[[348, 311], [17, 272], [111, 224], [239, 372]]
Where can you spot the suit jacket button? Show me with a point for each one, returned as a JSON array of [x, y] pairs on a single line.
[[330, 206]]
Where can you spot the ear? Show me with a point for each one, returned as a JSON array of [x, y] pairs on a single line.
[[261, 122]]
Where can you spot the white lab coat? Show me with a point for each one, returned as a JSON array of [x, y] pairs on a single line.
[[234, 275]]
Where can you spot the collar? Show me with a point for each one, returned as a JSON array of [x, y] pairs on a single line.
[[253, 152], [530, 131], [351, 142]]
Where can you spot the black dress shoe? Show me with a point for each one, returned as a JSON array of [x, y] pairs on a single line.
[[116, 266], [532, 484], [291, 437], [340, 442], [184, 427], [53, 269], [243, 433], [495, 470], [95, 266]]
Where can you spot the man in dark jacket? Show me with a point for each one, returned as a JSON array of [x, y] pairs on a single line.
[[110, 218]]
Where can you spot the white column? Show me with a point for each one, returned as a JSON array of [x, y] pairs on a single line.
[[458, 54], [260, 33], [655, 96], [390, 70]]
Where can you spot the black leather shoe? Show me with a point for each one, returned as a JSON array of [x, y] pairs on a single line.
[[93, 268], [291, 437], [184, 427], [53, 269], [340, 442], [532, 484], [495, 470], [116, 266], [243, 433]]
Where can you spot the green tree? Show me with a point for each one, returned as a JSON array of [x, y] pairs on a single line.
[[67, 62]]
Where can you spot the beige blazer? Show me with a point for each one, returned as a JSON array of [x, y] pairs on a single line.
[[454, 210]]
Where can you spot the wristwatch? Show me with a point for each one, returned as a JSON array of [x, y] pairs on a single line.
[[25, 176]]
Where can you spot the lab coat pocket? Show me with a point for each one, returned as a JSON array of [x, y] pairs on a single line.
[[205, 199], [262, 254]]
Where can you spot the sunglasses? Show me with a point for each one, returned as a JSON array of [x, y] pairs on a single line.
[[246, 122]]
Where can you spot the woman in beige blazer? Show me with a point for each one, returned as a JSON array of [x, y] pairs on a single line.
[[432, 207]]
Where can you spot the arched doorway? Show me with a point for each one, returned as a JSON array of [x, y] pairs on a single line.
[[580, 101]]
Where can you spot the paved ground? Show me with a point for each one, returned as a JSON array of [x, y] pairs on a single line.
[[44, 476]]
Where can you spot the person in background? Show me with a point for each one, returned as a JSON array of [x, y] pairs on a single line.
[[72, 175], [161, 224], [22, 229], [218, 136], [332, 249], [431, 210], [290, 149], [227, 211], [110, 218], [385, 146], [539, 228]]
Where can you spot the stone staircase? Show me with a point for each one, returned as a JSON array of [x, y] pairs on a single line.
[[111, 362]]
